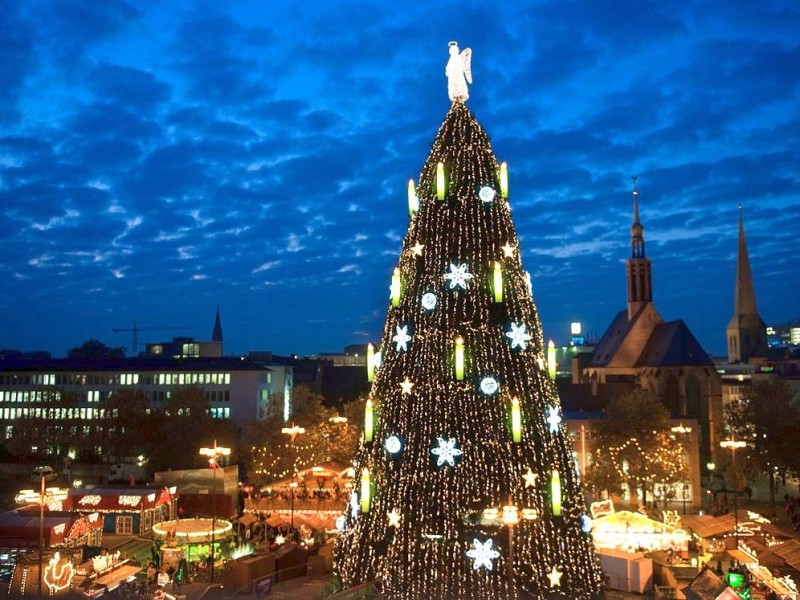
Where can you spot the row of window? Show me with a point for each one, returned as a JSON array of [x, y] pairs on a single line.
[[82, 413], [93, 396], [115, 379]]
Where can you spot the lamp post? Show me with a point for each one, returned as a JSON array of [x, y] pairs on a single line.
[[45, 496], [510, 517], [293, 432], [213, 454], [733, 445]]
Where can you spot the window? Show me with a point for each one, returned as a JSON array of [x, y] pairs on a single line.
[[124, 525]]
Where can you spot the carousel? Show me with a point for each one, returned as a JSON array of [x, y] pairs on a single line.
[[315, 497], [191, 540]]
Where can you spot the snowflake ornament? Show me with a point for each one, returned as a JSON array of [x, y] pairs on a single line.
[[483, 554], [554, 419], [458, 276], [519, 336], [401, 338], [446, 452]]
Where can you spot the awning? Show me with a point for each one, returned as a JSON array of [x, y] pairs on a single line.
[[741, 557], [114, 578]]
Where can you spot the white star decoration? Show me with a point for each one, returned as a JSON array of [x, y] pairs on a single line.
[[401, 338], [458, 276], [482, 554], [446, 452], [416, 249], [555, 577], [519, 336], [530, 478], [554, 419], [280, 540], [394, 518], [508, 250], [406, 386]]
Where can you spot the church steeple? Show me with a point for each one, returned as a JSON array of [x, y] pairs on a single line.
[[639, 271], [216, 336], [747, 333]]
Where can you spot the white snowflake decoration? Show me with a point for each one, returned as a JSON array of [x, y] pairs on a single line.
[[458, 276], [586, 523], [554, 419], [483, 554], [446, 452], [401, 338], [519, 336]]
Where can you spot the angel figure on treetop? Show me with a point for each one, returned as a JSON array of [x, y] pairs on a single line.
[[458, 73]]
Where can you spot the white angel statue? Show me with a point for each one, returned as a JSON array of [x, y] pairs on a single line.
[[459, 72]]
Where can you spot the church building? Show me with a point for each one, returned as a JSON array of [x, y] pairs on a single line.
[[642, 350]]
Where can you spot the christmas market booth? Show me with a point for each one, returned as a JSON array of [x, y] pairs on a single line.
[[20, 528], [315, 497], [127, 511], [64, 571]]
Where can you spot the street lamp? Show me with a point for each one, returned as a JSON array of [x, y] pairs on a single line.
[[213, 454], [43, 498], [734, 445], [510, 517], [293, 432]]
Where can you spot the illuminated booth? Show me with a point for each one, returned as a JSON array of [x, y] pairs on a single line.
[[131, 511]]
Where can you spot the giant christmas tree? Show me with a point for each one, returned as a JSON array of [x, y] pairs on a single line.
[[466, 483]]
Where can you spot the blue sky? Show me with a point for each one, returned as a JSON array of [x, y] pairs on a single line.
[[161, 158]]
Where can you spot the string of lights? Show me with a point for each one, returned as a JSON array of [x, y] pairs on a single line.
[[448, 441]]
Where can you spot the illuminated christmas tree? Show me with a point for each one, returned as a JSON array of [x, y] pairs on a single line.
[[466, 486]]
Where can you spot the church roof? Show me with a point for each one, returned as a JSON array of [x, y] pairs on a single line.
[[612, 339], [673, 345]]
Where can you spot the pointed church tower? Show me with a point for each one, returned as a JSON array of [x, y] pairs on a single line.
[[747, 333], [640, 277], [216, 335]]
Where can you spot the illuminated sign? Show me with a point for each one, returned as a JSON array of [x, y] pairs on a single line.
[[58, 577]]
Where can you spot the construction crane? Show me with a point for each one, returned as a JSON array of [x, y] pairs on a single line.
[[135, 333]]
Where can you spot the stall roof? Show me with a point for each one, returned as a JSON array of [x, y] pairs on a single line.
[[788, 551], [128, 499]]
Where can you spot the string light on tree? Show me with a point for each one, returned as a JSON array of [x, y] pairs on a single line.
[[430, 484]]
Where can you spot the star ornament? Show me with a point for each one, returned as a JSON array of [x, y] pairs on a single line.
[[394, 518], [519, 336], [482, 554], [530, 478], [405, 386], [416, 249], [554, 419], [508, 250], [555, 577], [446, 452], [458, 276], [401, 338]]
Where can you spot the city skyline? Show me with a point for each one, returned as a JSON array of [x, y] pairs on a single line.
[[157, 162]]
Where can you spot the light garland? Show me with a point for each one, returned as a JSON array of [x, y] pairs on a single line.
[[433, 482]]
